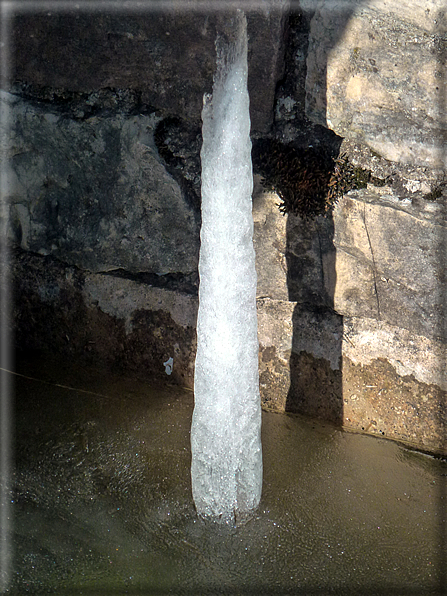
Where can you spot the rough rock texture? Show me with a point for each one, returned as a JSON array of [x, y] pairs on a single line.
[[269, 235], [357, 371], [365, 354], [379, 401], [390, 260], [107, 321], [167, 56], [376, 72], [95, 193], [104, 183]]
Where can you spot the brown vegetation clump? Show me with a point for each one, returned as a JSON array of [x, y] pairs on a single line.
[[309, 181]]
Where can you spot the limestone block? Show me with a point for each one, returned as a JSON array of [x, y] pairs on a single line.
[[165, 54], [394, 383], [107, 321], [159, 324], [310, 252], [291, 253], [122, 298], [95, 194], [299, 359], [266, 38], [376, 74], [275, 334], [424, 13], [389, 261], [269, 238], [366, 340]]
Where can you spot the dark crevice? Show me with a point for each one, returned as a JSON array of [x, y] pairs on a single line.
[[105, 102], [179, 144], [292, 84], [186, 283]]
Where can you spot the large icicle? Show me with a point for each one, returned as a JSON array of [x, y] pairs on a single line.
[[226, 427]]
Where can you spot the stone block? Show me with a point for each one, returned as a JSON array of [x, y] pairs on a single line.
[[106, 321], [94, 193], [394, 384], [377, 74], [167, 56], [390, 261], [269, 238]]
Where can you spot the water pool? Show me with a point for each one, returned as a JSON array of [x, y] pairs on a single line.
[[100, 501]]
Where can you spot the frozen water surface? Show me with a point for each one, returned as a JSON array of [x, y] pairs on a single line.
[[101, 501]]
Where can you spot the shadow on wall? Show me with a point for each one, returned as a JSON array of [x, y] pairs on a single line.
[[315, 362], [335, 15], [441, 74], [316, 386]]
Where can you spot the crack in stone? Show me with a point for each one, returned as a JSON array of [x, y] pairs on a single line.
[[373, 263]]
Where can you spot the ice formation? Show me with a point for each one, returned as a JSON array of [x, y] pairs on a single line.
[[226, 465], [169, 364]]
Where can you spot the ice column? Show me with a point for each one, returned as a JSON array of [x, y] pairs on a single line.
[[226, 466]]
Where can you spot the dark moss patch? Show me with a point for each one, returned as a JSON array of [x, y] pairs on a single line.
[[436, 193], [309, 181]]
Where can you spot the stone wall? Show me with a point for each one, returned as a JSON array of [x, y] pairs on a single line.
[[372, 358], [102, 112], [376, 73]]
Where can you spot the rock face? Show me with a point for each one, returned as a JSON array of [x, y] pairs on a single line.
[[166, 56], [103, 189], [361, 340], [389, 261], [95, 194], [376, 74], [121, 324]]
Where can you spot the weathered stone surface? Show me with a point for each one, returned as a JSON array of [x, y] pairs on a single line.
[[332, 353], [377, 73], [121, 298], [309, 254], [95, 194], [275, 333], [168, 56], [266, 38], [406, 181], [290, 252], [424, 13], [159, 324], [360, 373], [366, 340], [269, 238], [378, 401], [390, 261], [119, 324]]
